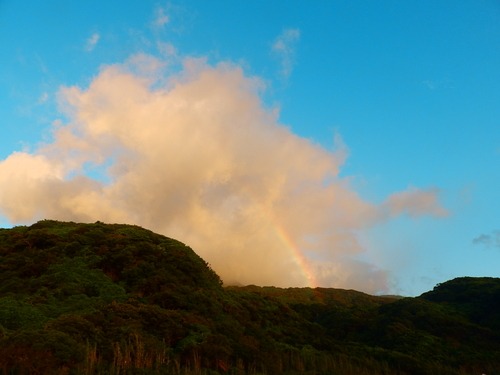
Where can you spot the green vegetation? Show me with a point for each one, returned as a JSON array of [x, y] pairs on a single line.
[[119, 299]]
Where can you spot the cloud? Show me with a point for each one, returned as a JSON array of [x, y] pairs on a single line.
[[195, 155], [167, 50], [489, 240], [43, 98], [160, 18], [414, 203], [92, 42], [431, 85], [284, 48], [441, 84]]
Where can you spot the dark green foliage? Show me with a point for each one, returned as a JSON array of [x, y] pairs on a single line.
[[476, 298], [119, 299]]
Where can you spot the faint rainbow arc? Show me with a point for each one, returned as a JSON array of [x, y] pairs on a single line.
[[297, 255]]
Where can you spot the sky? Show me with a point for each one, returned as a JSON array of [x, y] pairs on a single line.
[[332, 143]]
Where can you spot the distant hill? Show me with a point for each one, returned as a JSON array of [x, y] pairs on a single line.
[[119, 299], [478, 299]]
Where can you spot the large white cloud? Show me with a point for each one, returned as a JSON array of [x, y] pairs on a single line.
[[196, 156]]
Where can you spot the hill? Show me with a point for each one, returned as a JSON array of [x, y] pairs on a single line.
[[119, 299]]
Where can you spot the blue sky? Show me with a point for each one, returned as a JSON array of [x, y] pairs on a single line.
[[406, 94]]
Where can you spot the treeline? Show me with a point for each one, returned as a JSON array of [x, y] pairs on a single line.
[[119, 299]]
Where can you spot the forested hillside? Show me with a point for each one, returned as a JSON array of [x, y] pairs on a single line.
[[119, 299]]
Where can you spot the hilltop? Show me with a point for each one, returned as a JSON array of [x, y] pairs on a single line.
[[119, 299]]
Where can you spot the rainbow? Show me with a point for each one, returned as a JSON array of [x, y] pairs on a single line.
[[297, 255]]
